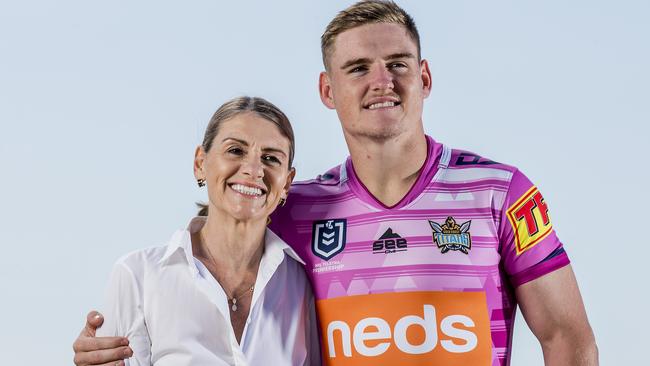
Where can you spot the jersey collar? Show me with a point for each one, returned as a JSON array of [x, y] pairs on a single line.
[[428, 170]]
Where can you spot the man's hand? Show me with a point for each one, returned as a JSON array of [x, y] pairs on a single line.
[[90, 350]]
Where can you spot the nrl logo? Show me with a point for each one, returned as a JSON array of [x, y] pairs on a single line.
[[328, 238], [451, 236]]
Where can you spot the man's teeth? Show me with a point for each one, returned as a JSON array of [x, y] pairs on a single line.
[[382, 105], [251, 191]]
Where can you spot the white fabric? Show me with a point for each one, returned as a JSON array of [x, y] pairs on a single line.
[[175, 313]]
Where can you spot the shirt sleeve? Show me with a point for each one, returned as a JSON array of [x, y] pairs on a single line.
[[313, 340], [124, 316], [529, 247]]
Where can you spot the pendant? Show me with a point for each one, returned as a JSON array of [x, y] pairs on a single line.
[[234, 304]]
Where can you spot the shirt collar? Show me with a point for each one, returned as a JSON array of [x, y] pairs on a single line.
[[273, 242], [181, 241]]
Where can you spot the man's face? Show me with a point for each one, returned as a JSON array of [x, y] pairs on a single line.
[[375, 81]]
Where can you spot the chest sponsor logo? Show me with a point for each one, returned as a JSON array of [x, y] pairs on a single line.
[[451, 236], [530, 220], [408, 328], [328, 238], [389, 242]]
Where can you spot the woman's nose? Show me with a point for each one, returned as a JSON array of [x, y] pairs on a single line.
[[253, 167]]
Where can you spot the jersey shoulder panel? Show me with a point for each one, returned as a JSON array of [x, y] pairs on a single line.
[[463, 159], [330, 182], [468, 171]]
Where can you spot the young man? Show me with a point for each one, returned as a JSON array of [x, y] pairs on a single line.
[[418, 254]]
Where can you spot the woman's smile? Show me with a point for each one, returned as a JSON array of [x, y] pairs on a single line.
[[247, 191]]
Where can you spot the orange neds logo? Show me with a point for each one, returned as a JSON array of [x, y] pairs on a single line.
[[407, 328]]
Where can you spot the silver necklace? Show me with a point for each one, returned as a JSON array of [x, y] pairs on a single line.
[[233, 299]]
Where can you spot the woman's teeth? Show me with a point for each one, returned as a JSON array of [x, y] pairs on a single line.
[[250, 191]]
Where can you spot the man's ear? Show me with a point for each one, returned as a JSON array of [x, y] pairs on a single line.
[[426, 78], [199, 161], [325, 90]]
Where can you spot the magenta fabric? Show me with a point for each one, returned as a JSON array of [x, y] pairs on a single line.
[[481, 254]]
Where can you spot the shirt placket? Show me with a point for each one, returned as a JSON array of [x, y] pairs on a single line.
[[211, 288]]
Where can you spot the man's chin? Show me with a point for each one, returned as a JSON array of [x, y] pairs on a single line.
[[380, 135]]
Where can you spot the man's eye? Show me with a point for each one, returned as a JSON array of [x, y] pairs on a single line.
[[358, 69], [397, 65]]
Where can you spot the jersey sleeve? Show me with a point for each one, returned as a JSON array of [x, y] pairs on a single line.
[[124, 316], [529, 247]]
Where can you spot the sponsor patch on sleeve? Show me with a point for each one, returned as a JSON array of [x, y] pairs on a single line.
[[530, 220]]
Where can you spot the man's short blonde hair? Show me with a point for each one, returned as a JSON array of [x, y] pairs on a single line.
[[367, 12]]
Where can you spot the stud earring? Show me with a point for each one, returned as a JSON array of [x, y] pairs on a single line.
[[200, 182]]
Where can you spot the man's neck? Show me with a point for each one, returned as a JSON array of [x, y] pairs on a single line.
[[388, 169]]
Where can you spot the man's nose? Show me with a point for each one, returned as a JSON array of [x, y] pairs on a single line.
[[382, 78]]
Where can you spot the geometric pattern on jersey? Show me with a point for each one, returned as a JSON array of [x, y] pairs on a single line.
[[431, 279]]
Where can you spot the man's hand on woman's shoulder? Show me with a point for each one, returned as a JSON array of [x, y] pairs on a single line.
[[96, 351]]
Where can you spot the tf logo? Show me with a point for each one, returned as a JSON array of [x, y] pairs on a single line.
[[530, 220], [328, 238]]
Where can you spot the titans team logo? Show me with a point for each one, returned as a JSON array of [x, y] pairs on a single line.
[[451, 236], [328, 238]]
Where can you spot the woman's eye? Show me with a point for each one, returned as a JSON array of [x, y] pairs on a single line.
[[235, 151], [271, 159]]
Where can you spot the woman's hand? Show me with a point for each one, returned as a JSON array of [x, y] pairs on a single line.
[[95, 351]]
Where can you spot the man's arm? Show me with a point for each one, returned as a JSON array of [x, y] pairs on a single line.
[[90, 350], [554, 311]]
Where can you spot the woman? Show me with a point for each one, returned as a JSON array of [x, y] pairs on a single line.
[[226, 290]]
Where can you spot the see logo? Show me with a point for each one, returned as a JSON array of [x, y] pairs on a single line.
[[530, 220], [389, 242], [406, 329]]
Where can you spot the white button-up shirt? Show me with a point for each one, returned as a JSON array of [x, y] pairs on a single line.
[[175, 313]]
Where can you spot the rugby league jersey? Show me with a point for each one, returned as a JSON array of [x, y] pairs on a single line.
[[430, 280]]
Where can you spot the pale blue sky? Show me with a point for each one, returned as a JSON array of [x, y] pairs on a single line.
[[102, 104]]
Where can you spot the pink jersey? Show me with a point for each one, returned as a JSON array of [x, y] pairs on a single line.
[[430, 280]]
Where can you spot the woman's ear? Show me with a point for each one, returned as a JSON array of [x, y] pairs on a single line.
[[287, 185], [199, 161]]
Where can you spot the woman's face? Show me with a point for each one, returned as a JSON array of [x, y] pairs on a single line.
[[247, 168]]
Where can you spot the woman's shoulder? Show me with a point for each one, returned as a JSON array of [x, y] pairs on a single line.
[[154, 254], [294, 267], [139, 261], [140, 256]]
